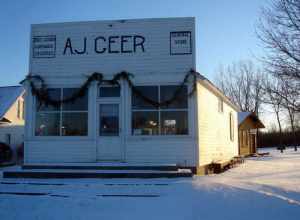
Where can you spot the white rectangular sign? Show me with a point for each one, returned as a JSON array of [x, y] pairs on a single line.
[[139, 46]]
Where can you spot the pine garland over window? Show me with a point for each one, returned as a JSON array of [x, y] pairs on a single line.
[[41, 91]]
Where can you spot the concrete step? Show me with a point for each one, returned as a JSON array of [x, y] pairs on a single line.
[[67, 173], [101, 166]]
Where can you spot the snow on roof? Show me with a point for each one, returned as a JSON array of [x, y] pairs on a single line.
[[242, 116], [8, 96]]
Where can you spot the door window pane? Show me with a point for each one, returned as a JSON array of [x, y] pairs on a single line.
[[109, 120], [79, 104], [145, 123], [174, 122], [111, 91], [74, 124], [151, 92], [167, 92], [47, 124], [54, 94]]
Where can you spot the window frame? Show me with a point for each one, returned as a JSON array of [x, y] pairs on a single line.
[[60, 112], [159, 135], [231, 127], [220, 105], [108, 97]]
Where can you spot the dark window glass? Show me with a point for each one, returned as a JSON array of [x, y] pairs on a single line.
[[47, 124], [80, 104], [145, 123], [174, 122], [111, 91], [74, 124], [54, 94], [167, 92], [150, 92], [109, 120]]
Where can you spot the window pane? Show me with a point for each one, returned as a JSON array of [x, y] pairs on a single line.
[[167, 92], [150, 92], [111, 91], [74, 124], [54, 94], [80, 104], [145, 123], [174, 122], [109, 120], [47, 124]]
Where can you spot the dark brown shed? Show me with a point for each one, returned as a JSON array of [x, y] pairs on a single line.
[[249, 124]]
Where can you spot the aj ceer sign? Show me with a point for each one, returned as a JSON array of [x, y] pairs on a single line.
[[45, 46]]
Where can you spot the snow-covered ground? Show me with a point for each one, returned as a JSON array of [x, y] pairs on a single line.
[[261, 188]]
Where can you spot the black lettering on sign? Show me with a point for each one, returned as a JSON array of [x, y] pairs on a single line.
[[111, 44], [83, 51], [124, 40], [111, 41], [103, 49], [68, 45], [138, 42]]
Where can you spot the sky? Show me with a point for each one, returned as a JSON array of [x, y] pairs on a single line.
[[225, 29]]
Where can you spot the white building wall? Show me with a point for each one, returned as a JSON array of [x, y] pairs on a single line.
[[15, 129], [154, 66], [214, 128]]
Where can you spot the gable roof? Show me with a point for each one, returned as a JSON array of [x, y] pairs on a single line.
[[212, 87], [242, 116], [8, 95]]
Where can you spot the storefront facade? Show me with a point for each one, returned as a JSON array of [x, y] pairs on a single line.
[[123, 121]]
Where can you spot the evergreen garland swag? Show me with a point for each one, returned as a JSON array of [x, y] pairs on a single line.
[[41, 91]]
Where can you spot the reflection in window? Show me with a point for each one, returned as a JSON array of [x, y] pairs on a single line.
[[109, 91], [167, 120], [109, 120], [80, 104], [174, 122], [47, 124], [150, 92], [70, 119], [145, 123], [167, 92], [54, 94], [74, 124]]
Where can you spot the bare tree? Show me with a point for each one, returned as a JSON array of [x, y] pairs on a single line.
[[279, 30], [272, 86], [289, 107], [242, 83]]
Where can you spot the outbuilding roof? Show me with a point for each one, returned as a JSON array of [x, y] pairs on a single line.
[[243, 115], [8, 96]]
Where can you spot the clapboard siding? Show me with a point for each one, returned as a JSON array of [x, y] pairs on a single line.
[[59, 151], [214, 128], [155, 66], [155, 59], [174, 151]]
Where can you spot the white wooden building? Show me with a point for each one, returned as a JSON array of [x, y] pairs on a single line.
[[112, 123], [12, 116]]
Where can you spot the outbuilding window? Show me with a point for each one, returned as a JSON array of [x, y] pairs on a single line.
[[231, 125], [167, 120], [69, 119], [220, 105]]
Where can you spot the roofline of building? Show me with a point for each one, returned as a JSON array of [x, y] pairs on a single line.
[[213, 88], [11, 86]]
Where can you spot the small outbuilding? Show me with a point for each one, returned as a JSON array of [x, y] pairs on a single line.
[[249, 124], [12, 115]]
